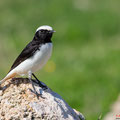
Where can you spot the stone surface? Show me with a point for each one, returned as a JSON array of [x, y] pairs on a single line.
[[114, 114], [17, 102]]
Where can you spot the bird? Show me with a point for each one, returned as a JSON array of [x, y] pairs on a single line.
[[33, 57]]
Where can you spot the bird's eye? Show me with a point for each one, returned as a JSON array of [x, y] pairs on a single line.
[[42, 30]]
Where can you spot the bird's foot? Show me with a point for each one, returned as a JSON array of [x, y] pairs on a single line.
[[44, 87], [40, 84]]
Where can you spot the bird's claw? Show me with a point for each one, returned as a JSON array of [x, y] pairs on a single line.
[[44, 87]]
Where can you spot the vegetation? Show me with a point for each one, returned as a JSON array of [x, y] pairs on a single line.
[[84, 67]]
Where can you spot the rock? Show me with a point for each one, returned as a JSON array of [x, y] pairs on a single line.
[[114, 113], [18, 102]]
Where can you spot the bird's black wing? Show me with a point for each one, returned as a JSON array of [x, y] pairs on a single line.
[[27, 52]]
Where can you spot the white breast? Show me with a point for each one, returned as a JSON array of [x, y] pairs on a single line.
[[42, 56], [37, 61]]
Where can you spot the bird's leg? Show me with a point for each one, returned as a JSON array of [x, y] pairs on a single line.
[[34, 90], [44, 87]]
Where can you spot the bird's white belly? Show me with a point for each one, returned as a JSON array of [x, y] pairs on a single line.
[[37, 61]]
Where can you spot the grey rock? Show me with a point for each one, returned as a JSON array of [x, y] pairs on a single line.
[[17, 102]]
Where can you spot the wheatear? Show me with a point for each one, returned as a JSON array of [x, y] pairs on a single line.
[[34, 56]]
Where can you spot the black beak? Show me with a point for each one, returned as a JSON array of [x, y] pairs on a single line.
[[52, 31]]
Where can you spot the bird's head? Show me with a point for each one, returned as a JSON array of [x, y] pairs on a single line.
[[44, 32]]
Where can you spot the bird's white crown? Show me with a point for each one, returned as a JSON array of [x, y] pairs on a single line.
[[45, 27]]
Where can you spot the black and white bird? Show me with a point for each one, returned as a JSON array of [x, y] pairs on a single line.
[[34, 56]]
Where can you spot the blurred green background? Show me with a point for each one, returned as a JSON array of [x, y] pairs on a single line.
[[85, 64]]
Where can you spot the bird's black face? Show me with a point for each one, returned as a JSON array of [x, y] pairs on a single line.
[[44, 35]]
